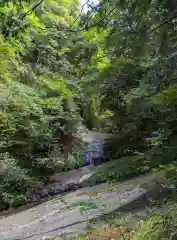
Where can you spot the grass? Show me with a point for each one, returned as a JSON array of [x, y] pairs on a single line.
[[118, 170], [126, 168], [156, 223], [107, 233]]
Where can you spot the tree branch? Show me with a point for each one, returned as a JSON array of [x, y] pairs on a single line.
[[32, 9], [146, 34], [100, 21], [80, 13], [162, 24]]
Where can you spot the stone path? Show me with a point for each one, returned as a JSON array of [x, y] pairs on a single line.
[[70, 214]]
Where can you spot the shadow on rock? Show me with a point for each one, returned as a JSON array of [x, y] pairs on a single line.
[[158, 195]]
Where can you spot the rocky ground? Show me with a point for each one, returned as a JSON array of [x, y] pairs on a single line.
[[70, 214], [71, 207]]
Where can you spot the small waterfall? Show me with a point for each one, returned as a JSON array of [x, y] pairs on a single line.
[[94, 155]]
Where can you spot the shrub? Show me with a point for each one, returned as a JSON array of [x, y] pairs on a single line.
[[171, 173], [157, 228], [119, 170], [78, 155], [151, 229], [14, 181]]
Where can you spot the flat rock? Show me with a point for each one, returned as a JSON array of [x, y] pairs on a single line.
[[65, 215], [63, 182]]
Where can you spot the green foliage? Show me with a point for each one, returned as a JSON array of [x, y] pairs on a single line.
[[152, 229], [37, 104], [119, 170], [15, 182], [134, 71], [114, 67], [156, 228], [171, 172], [78, 155]]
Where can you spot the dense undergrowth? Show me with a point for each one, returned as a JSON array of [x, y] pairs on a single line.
[[112, 67], [38, 107], [118, 170], [161, 225], [128, 167]]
